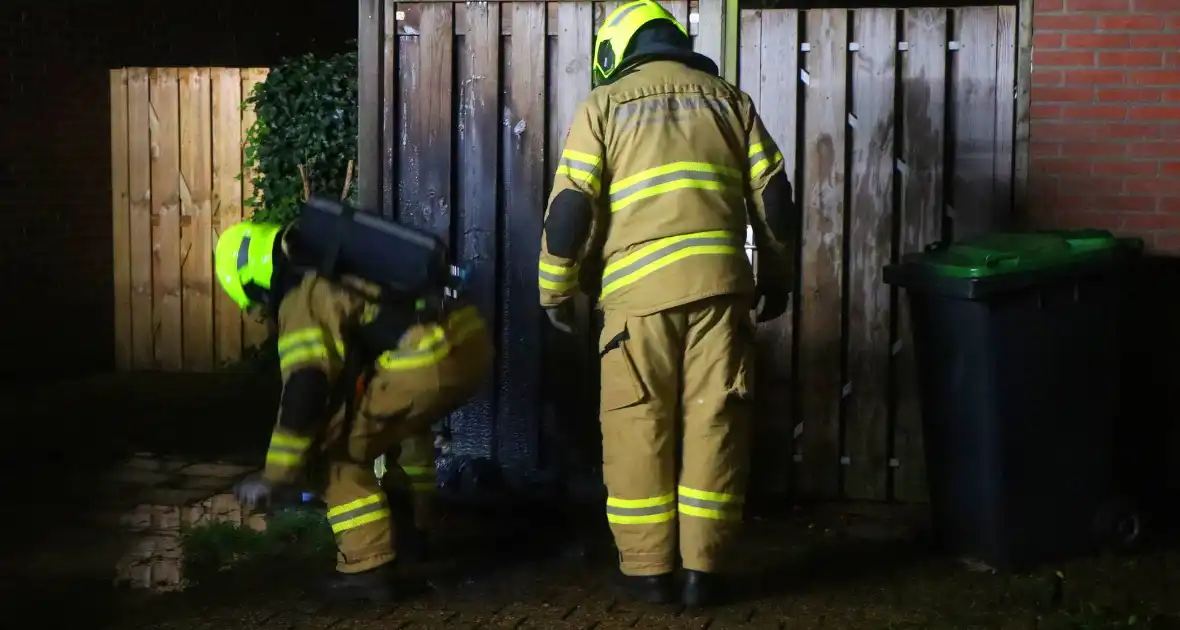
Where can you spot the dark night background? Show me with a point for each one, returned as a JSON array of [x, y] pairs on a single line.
[[55, 235]]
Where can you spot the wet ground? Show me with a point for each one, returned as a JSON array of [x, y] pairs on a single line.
[[812, 569], [526, 566]]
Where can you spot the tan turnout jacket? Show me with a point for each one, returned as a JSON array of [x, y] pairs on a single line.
[[674, 161]]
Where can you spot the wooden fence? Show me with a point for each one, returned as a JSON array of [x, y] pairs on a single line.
[[897, 125], [176, 160]]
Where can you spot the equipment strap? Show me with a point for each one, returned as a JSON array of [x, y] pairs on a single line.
[[335, 242]]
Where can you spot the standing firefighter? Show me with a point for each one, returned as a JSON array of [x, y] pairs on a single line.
[[660, 166], [354, 298]]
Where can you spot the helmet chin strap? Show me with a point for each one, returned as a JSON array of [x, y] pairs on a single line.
[[256, 293]]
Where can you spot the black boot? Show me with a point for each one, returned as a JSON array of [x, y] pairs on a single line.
[[652, 589], [702, 590], [409, 541], [374, 585], [413, 544]]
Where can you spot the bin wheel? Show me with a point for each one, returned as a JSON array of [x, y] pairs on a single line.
[[1119, 524]]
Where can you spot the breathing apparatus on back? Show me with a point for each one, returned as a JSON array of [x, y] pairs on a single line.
[[257, 262]]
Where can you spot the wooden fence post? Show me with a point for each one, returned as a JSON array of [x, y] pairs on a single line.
[[731, 50], [710, 39]]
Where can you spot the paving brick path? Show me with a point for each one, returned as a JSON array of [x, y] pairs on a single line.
[[799, 574]]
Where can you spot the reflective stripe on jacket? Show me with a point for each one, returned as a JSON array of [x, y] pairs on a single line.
[[670, 159]]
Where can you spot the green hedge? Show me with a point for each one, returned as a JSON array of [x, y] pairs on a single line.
[[306, 119]]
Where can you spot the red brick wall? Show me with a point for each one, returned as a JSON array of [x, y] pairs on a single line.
[[1105, 144], [1105, 152], [55, 226]]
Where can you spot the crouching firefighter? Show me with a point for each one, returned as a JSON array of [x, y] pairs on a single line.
[[410, 484], [663, 167], [353, 297]]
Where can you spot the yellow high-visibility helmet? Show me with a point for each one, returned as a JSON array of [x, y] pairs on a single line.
[[243, 257], [610, 44]]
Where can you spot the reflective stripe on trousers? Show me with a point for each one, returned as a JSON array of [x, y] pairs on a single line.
[[659, 509], [663, 252], [356, 513], [715, 505], [422, 478], [436, 344], [304, 345], [432, 348]]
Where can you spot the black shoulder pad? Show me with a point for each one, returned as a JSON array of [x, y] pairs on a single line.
[[568, 224], [780, 208], [305, 396]]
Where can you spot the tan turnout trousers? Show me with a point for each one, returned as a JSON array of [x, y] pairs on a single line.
[[414, 475], [675, 427], [413, 386]]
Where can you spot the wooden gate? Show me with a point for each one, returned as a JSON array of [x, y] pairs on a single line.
[[176, 165], [903, 122], [897, 125]]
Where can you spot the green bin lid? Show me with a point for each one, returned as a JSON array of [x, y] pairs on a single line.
[[1003, 253]]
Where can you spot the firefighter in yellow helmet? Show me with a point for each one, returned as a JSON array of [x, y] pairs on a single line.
[[421, 357], [663, 167]]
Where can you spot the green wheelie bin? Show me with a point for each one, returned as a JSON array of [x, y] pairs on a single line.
[[1016, 343]]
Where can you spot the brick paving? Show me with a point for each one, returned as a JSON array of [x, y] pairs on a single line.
[[807, 570], [797, 573]]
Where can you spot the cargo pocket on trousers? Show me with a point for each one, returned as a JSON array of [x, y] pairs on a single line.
[[621, 385], [742, 382]]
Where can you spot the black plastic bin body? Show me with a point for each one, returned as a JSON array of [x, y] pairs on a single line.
[[1016, 340]]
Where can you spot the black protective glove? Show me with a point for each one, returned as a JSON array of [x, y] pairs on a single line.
[[562, 316], [253, 492], [770, 304]]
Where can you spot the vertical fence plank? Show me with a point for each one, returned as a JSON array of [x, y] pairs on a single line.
[[559, 405], [227, 197], [139, 183], [571, 83], [120, 219], [823, 238], [165, 147], [524, 155], [767, 463], [570, 419], [710, 38], [369, 82], [777, 103], [974, 98], [1005, 114], [866, 432], [409, 169], [679, 10], [426, 202], [923, 111], [196, 221], [778, 94], [255, 329], [390, 131], [473, 427], [750, 68]]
